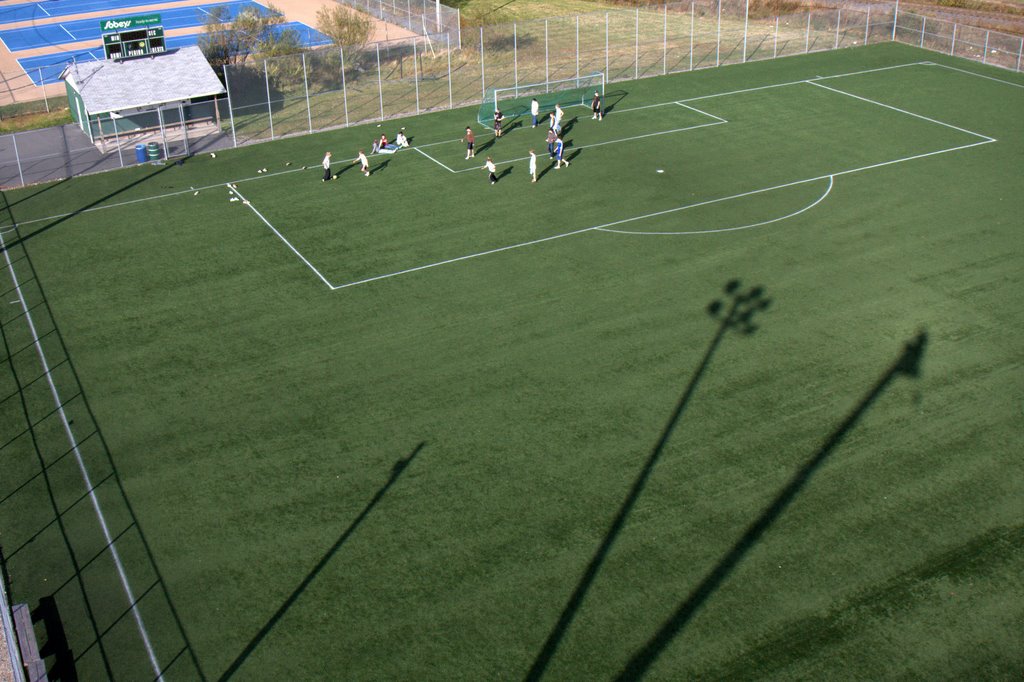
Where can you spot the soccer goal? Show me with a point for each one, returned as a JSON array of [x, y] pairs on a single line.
[[516, 101]]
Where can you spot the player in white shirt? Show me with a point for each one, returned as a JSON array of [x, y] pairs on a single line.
[[491, 170], [557, 123], [535, 110], [401, 140], [533, 166], [364, 163], [327, 167]]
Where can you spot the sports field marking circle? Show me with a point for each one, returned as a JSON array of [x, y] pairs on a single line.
[[831, 182]]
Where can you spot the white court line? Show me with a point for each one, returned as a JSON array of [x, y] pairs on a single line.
[[902, 111], [436, 161], [43, 9], [704, 113], [433, 144], [604, 227], [69, 33], [281, 237], [115, 555], [977, 75], [828, 190]]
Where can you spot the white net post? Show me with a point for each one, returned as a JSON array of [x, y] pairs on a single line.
[[636, 57], [664, 42], [718, 39], [775, 41], [117, 139], [380, 85], [807, 40], [416, 75], [344, 87], [547, 73], [746, 18], [231, 113], [305, 85], [952, 45], [448, 44], [270, 111], [515, 56], [839, 22], [483, 83], [691, 35], [17, 156]]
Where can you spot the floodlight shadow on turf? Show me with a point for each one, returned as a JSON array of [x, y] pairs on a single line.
[[908, 364], [734, 313], [396, 470]]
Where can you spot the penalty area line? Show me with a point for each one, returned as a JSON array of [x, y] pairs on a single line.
[[280, 236]]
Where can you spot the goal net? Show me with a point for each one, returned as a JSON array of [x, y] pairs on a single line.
[[516, 101]]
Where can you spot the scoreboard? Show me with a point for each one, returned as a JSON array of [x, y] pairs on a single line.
[[132, 36]]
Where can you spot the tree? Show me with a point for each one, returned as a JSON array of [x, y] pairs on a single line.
[[253, 31], [345, 27]]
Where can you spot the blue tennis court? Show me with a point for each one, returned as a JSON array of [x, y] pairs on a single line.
[[44, 35], [45, 68], [40, 11]]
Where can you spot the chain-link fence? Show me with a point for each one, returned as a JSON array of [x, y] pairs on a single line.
[[334, 86]]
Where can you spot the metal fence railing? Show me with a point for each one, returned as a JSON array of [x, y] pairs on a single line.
[[332, 86]]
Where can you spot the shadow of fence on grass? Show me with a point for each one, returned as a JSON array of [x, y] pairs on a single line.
[[396, 471], [907, 364], [736, 314]]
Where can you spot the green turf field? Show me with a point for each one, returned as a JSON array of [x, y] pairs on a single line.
[[751, 417]]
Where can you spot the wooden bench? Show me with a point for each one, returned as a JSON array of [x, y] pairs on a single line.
[[34, 666]]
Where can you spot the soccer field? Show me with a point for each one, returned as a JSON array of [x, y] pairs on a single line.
[[736, 395]]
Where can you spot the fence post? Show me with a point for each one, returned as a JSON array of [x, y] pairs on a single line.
[[380, 85], [924, 23], [1020, 51], [416, 75], [43, 86], [746, 18], [636, 57], [607, 72], [867, 25], [807, 41], [270, 112], [952, 45], [458, 15], [305, 84], [117, 140], [984, 55], [483, 83], [17, 157], [577, 50], [895, 18], [163, 136], [664, 43], [231, 114], [839, 22], [515, 57], [691, 35], [547, 77], [184, 129], [775, 42], [344, 87], [718, 39], [448, 41]]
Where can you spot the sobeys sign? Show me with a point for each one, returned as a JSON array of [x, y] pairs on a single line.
[[125, 23]]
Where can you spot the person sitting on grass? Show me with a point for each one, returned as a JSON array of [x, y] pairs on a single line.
[[401, 141]]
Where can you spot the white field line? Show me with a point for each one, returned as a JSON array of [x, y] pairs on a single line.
[[55, 394], [976, 75], [69, 33], [902, 111], [434, 144], [828, 190], [281, 237], [40, 6], [604, 227], [435, 160], [703, 113]]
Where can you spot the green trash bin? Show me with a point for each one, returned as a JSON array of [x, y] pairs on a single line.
[[153, 151]]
